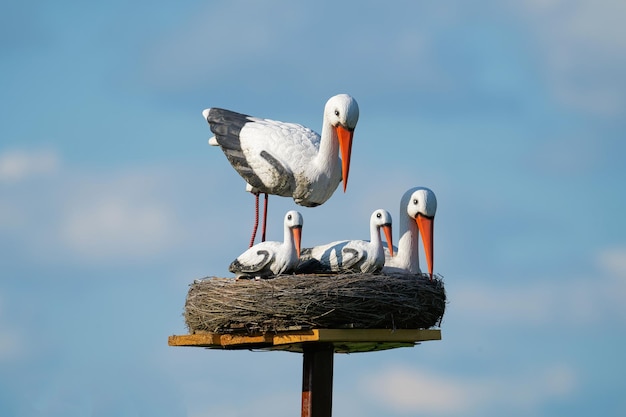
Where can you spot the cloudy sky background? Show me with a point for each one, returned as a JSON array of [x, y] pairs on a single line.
[[111, 201]]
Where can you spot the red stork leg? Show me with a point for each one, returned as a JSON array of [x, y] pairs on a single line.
[[256, 218], [264, 218]]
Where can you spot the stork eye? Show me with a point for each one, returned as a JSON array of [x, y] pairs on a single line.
[[289, 217], [379, 215], [337, 113], [415, 201]]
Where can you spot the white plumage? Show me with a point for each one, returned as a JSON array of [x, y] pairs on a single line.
[[272, 258], [359, 256], [417, 214], [288, 159]]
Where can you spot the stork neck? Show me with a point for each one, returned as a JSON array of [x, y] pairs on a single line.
[[408, 244], [375, 234], [329, 148], [288, 237]]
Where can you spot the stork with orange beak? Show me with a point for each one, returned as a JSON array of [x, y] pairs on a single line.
[[417, 216], [288, 159], [356, 256], [266, 259]]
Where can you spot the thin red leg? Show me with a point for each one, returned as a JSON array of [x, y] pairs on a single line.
[[264, 218], [256, 218]]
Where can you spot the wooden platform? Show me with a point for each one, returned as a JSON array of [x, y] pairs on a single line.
[[342, 340]]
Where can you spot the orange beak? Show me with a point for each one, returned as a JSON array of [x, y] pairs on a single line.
[[345, 147], [297, 237], [426, 226], [387, 230]]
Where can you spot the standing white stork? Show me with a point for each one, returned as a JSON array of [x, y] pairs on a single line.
[[288, 159], [272, 258], [359, 256], [417, 216]]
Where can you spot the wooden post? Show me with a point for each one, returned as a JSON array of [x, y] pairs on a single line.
[[317, 380]]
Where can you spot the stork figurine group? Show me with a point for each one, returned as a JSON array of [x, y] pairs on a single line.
[[290, 160]]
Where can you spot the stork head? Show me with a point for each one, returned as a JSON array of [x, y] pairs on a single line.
[[294, 222], [421, 206], [381, 219], [342, 111]]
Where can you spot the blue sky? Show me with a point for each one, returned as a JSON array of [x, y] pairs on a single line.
[[112, 202]]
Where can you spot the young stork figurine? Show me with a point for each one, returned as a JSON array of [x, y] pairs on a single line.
[[360, 256], [272, 258], [288, 159], [417, 216]]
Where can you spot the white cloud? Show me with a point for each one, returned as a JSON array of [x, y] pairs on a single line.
[[582, 46], [117, 227], [579, 46], [122, 215], [121, 218], [613, 261], [410, 390], [296, 40], [9, 345], [406, 391], [531, 304], [598, 23], [280, 404], [11, 217], [215, 41], [18, 165], [566, 156], [578, 301], [10, 340]]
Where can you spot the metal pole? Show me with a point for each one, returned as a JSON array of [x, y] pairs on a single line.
[[317, 380]]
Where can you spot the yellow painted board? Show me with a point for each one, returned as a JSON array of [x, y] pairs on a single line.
[[344, 340], [234, 339], [198, 339]]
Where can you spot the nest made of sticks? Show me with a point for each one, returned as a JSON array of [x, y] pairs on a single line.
[[295, 302]]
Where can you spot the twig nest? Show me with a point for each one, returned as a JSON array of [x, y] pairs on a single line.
[[295, 302]]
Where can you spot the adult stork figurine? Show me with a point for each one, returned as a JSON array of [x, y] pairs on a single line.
[[288, 159], [417, 216]]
